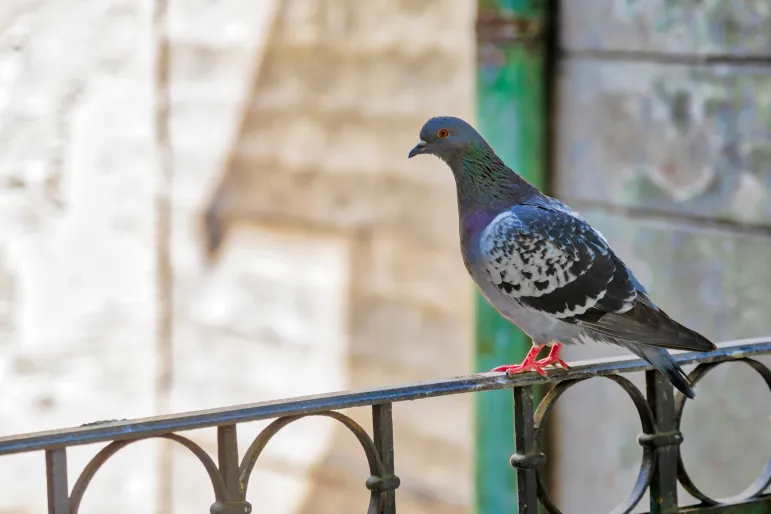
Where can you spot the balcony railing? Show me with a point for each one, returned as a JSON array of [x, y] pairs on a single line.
[[660, 412]]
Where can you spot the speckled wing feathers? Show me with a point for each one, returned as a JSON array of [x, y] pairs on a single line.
[[555, 263]]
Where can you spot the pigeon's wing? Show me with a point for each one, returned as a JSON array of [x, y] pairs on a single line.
[[557, 264]]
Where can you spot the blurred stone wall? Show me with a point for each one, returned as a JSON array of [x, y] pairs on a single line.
[[76, 237], [664, 144], [337, 265]]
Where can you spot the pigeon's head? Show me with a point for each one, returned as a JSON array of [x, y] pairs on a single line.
[[446, 137]]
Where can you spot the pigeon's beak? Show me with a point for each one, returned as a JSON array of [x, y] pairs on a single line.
[[418, 149]]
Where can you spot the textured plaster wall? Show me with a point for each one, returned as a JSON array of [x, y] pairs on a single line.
[[339, 266]]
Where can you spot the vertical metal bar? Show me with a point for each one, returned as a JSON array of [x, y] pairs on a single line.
[[383, 432], [663, 489], [56, 479], [511, 114], [524, 443], [228, 459]]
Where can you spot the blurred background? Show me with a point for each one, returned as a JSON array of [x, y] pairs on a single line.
[[208, 202]]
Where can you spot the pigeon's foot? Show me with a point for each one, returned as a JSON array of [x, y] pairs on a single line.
[[515, 369], [553, 359], [529, 364]]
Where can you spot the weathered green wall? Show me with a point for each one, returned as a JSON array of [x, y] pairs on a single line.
[[510, 111], [664, 144]]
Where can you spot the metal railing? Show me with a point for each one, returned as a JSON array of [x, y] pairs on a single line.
[[660, 412]]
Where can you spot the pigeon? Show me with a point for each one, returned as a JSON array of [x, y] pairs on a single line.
[[544, 268]]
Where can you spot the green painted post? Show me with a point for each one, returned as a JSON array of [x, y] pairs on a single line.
[[511, 95]]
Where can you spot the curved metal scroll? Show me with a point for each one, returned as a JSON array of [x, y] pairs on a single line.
[[762, 481], [377, 483], [649, 455], [220, 491]]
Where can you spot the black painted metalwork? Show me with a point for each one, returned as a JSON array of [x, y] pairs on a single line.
[[659, 409]]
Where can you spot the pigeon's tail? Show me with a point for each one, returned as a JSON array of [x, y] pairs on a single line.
[[648, 325], [682, 337], [662, 361]]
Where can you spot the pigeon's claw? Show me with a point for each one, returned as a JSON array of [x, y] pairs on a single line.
[[550, 361], [553, 359], [529, 364], [514, 369]]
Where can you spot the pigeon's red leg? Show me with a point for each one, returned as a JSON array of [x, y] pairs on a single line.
[[553, 359], [529, 364]]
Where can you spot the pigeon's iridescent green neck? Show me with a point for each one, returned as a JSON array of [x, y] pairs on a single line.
[[485, 182]]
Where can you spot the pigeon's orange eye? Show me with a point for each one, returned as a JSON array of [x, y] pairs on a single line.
[[443, 133]]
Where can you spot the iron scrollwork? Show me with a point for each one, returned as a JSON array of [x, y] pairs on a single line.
[[96, 462], [535, 460], [379, 482], [762, 481], [659, 409], [227, 502], [651, 439]]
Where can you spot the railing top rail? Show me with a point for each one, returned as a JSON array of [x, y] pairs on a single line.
[[146, 427]]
